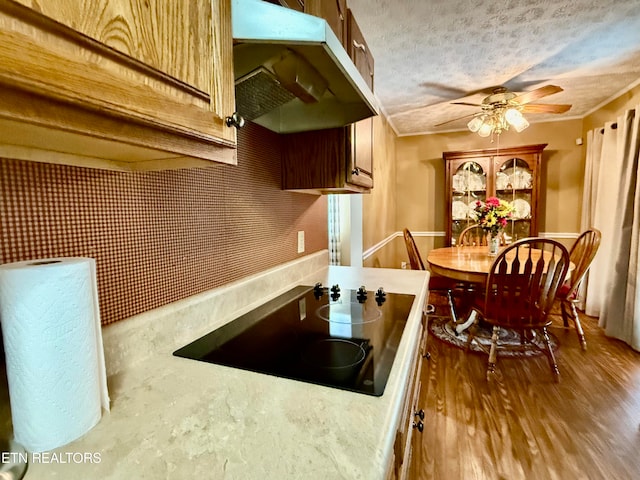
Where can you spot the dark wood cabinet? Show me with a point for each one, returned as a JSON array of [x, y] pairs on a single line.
[[358, 50], [511, 174], [333, 11], [412, 415], [360, 171], [336, 160]]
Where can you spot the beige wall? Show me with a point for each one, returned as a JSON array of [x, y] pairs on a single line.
[[610, 111], [379, 207]]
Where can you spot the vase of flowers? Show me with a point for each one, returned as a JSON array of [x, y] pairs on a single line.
[[493, 215]]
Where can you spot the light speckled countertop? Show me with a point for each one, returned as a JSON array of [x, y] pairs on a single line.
[[178, 418]]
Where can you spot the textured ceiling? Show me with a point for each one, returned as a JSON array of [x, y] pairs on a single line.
[[430, 52]]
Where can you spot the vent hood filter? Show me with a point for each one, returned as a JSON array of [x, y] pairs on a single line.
[[289, 77], [292, 73], [260, 92]]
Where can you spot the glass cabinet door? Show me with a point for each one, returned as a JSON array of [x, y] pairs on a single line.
[[468, 185], [514, 181]]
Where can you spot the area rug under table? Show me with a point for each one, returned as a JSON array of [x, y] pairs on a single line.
[[509, 344]]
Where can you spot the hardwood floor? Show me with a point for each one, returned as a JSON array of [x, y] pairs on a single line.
[[525, 426]]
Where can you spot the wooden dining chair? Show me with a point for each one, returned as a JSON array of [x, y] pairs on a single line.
[[581, 254], [436, 282], [472, 236], [415, 260], [520, 291]]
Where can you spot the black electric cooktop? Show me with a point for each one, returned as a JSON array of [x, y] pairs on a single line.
[[342, 339]]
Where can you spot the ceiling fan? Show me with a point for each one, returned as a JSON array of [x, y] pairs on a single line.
[[504, 108]]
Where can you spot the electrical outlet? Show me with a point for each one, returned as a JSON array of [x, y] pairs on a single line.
[[301, 241], [403, 265]]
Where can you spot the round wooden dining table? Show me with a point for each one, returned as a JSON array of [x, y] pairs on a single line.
[[469, 263], [466, 264]]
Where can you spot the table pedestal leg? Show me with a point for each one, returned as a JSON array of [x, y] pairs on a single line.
[[461, 327]]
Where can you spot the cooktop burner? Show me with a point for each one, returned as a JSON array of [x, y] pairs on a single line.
[[342, 339]]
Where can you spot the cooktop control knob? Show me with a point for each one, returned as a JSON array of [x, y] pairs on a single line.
[[361, 294], [318, 291], [381, 296], [335, 292]]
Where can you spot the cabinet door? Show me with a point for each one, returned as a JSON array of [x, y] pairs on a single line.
[[359, 51], [467, 184], [320, 162], [410, 418], [165, 65], [334, 12], [515, 178], [360, 168], [314, 161]]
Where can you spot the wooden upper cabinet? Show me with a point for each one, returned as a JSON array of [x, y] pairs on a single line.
[[511, 174], [334, 12], [360, 172], [141, 84], [338, 160], [325, 161], [358, 50]]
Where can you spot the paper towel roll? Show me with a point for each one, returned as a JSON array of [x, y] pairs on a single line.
[[53, 347]]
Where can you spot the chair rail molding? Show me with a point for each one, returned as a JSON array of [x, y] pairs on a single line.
[[373, 249]]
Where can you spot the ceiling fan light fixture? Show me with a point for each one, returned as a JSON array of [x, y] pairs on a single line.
[[516, 119], [521, 125], [486, 129], [475, 124]]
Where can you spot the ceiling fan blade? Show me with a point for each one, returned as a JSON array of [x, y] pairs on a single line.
[[545, 108], [454, 119], [536, 94], [466, 103]]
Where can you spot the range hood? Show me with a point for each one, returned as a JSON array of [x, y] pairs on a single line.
[[291, 72]]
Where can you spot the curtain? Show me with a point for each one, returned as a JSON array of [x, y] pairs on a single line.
[[589, 303], [606, 182], [620, 315], [334, 229], [611, 203]]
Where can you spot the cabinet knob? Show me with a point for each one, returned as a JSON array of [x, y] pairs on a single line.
[[419, 413], [235, 120], [419, 426], [355, 171]]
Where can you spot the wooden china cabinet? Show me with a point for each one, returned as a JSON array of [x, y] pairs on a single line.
[[511, 174]]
